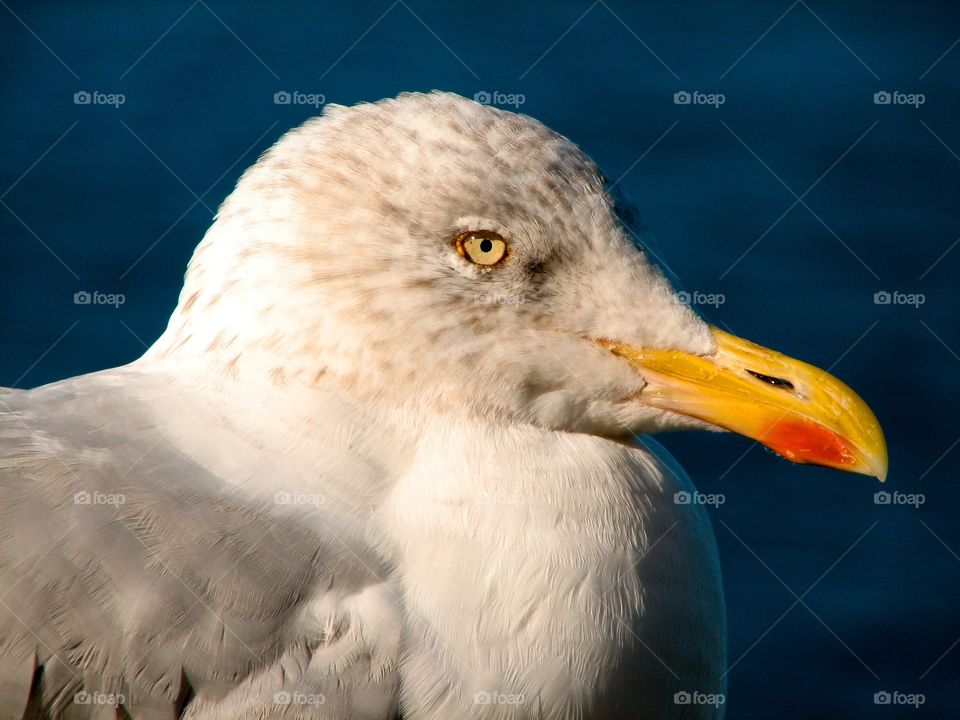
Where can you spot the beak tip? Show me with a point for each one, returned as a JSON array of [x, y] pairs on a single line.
[[876, 462], [880, 469], [881, 459]]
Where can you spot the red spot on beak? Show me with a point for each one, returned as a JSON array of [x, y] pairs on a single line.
[[804, 441]]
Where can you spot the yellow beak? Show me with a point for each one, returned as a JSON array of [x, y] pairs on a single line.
[[801, 412]]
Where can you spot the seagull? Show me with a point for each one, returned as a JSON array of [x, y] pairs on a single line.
[[390, 457]]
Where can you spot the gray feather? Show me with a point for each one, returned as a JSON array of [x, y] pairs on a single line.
[[129, 576]]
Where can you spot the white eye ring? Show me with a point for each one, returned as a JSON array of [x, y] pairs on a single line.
[[482, 247]]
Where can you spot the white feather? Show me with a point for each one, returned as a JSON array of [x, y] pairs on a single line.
[[452, 461]]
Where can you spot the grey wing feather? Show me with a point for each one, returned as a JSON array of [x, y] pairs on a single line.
[[126, 578]]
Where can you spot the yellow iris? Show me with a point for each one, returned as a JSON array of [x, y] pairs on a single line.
[[483, 247]]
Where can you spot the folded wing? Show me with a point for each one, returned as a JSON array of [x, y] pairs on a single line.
[[130, 576]]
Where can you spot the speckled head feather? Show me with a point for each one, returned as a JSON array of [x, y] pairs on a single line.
[[333, 263]]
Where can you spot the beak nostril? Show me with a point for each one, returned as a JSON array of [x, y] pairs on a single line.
[[770, 379]]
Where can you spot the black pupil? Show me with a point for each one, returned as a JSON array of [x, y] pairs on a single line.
[[486, 245]]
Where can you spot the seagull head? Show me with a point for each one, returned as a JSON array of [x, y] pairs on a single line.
[[435, 255]]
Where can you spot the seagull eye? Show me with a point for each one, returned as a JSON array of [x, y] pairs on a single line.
[[483, 247]]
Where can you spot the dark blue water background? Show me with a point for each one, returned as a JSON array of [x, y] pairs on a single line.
[[105, 198]]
